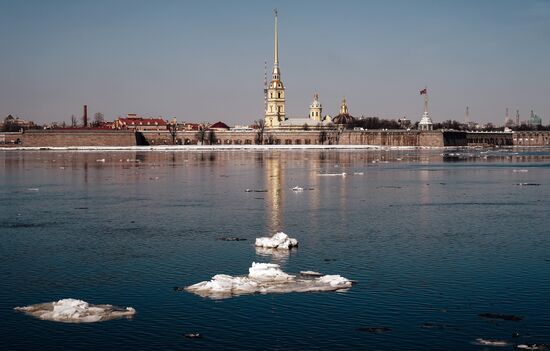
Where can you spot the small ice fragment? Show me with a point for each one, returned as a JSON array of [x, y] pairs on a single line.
[[506, 317], [100, 160], [75, 311], [358, 173], [231, 238], [533, 347], [278, 241], [491, 342], [297, 189], [193, 335], [343, 174], [528, 184], [520, 170], [33, 189], [61, 167]]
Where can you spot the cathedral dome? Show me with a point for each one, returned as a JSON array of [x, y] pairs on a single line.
[[343, 117]]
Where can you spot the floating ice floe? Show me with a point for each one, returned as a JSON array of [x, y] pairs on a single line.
[[33, 189], [520, 170], [100, 160], [358, 173], [278, 241], [528, 184], [297, 189], [256, 190], [490, 342], [75, 311], [533, 347], [343, 174], [266, 278]]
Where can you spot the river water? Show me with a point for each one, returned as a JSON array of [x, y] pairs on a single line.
[[432, 240]]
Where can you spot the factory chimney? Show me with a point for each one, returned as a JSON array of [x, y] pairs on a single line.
[[85, 116]]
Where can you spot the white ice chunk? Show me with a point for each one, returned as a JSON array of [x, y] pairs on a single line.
[[297, 189], [278, 241], [75, 311], [265, 278]]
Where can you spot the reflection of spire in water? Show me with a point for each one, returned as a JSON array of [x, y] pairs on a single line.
[[274, 197], [424, 183]]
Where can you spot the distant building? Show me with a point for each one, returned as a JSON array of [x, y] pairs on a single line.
[[133, 122], [240, 128], [534, 120], [218, 126], [404, 122], [15, 124]]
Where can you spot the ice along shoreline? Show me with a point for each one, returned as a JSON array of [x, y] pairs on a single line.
[[217, 148]]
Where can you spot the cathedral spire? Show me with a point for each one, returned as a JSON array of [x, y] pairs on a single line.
[[275, 111], [276, 72], [276, 51]]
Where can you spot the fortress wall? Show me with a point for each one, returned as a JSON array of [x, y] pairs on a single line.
[[313, 137], [534, 138], [65, 138]]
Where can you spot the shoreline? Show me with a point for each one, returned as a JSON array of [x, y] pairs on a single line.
[[222, 148]]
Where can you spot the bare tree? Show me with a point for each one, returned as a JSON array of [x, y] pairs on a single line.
[[212, 139], [322, 136], [73, 121], [173, 129], [98, 118], [260, 130], [200, 135]]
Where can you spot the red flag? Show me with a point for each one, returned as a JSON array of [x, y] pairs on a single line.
[[424, 91]]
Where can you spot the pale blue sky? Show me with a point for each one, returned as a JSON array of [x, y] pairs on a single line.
[[204, 60]]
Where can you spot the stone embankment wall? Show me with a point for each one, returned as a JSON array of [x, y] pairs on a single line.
[[67, 138], [489, 138], [315, 137]]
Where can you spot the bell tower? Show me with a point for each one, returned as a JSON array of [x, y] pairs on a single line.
[[315, 109], [275, 110]]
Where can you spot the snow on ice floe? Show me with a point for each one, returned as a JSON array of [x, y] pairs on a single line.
[[75, 311], [278, 241], [266, 278]]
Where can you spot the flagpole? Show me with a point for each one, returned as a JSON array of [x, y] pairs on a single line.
[[426, 100]]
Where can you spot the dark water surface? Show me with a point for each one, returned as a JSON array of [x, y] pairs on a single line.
[[433, 241]]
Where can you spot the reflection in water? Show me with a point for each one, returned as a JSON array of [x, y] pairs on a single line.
[[276, 255], [274, 198]]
